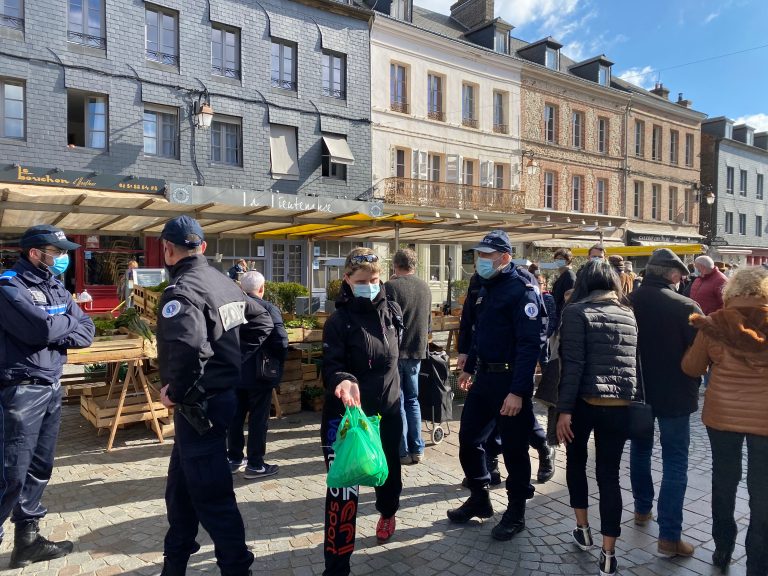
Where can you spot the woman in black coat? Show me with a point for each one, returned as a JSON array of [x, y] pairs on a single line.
[[598, 350], [360, 368]]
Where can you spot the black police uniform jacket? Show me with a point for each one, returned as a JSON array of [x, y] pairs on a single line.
[[360, 344], [202, 313], [510, 328], [38, 322]]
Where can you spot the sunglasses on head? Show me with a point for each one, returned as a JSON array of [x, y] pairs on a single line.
[[360, 258]]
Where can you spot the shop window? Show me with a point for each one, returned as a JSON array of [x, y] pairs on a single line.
[[86, 23], [286, 262], [87, 120]]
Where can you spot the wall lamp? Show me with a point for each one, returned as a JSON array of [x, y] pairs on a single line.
[[203, 111], [532, 167]]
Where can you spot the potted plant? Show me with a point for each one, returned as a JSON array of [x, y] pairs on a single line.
[[283, 295], [313, 398], [459, 289], [332, 292]]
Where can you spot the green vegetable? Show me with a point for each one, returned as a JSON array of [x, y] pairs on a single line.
[[131, 320], [159, 288]]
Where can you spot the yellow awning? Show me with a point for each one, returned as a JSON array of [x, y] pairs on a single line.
[[679, 249], [348, 222]]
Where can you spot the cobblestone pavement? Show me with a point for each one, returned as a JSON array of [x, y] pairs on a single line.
[[111, 505]]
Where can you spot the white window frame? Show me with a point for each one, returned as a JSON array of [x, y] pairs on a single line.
[[90, 130], [672, 201], [82, 32], [730, 179], [601, 196], [552, 58], [743, 179], [577, 189], [655, 199], [500, 123], [674, 147], [637, 199], [742, 224], [550, 123], [499, 176], [469, 104], [640, 138], [759, 187], [550, 184], [656, 142], [279, 62], [4, 112], [604, 75], [689, 146], [398, 87], [164, 117], [729, 222], [334, 78], [223, 124], [435, 95], [603, 130], [163, 53], [577, 129], [435, 167], [229, 67], [501, 41], [758, 225]]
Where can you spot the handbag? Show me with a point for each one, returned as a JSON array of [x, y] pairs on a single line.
[[549, 384], [640, 414]]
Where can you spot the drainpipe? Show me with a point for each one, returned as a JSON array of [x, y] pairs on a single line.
[[625, 168]]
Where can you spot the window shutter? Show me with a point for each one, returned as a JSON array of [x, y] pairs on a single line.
[[451, 168], [460, 170], [415, 165], [423, 167], [393, 161], [484, 180]]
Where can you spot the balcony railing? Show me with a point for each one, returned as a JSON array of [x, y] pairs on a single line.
[[226, 72], [436, 115], [87, 40], [408, 192], [399, 107], [334, 93], [284, 84], [469, 122], [163, 57], [11, 22], [500, 128]]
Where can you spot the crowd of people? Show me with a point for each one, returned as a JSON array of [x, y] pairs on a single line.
[[602, 339]]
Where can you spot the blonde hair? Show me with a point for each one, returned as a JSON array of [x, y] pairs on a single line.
[[350, 267], [747, 282]]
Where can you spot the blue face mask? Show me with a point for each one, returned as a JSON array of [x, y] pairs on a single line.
[[486, 268], [369, 291], [559, 263], [60, 264]]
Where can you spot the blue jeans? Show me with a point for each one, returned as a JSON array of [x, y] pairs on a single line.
[[675, 434], [411, 443]]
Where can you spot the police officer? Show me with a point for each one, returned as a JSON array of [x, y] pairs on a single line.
[[198, 338], [38, 322], [509, 331]]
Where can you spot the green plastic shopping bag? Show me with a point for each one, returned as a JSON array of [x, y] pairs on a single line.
[[358, 454]]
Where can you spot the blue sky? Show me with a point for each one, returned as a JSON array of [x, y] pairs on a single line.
[[655, 40]]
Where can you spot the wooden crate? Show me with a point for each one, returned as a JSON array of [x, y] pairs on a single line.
[[146, 301], [451, 322], [101, 412], [292, 407], [293, 354], [315, 335], [108, 349]]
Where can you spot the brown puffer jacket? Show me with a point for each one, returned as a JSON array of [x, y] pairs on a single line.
[[734, 341]]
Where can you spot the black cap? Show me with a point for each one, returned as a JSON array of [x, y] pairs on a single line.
[[183, 231], [666, 258], [495, 241], [46, 235]]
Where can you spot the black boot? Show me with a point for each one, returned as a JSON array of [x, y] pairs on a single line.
[[512, 522], [30, 547], [477, 505], [721, 558], [546, 464]]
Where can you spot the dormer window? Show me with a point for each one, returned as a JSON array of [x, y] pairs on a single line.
[[399, 10], [501, 42], [604, 75], [551, 59]]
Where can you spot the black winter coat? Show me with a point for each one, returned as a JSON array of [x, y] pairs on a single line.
[[665, 334], [360, 343], [598, 351]]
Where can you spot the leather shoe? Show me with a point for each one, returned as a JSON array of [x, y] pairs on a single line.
[[643, 519], [670, 549], [722, 559]]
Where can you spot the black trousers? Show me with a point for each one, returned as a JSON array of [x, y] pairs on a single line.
[[341, 503], [254, 402], [481, 415], [538, 440], [29, 427], [609, 424], [200, 491], [727, 453]]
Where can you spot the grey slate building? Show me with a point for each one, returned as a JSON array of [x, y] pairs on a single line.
[[734, 165]]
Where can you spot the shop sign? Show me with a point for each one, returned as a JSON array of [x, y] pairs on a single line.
[[85, 180], [92, 242], [634, 237]]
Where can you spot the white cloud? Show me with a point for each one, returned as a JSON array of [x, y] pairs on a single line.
[[639, 76], [441, 6], [574, 50], [711, 16], [758, 121]]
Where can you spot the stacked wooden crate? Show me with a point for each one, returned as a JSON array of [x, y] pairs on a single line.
[[146, 301], [292, 383], [312, 379]]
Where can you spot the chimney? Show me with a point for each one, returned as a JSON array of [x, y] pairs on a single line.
[[472, 13], [660, 91], [682, 102], [761, 140]]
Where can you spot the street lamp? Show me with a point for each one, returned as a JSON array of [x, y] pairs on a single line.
[[532, 167], [203, 111], [708, 196]]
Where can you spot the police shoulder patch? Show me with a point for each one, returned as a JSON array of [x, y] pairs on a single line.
[[171, 309], [531, 310]]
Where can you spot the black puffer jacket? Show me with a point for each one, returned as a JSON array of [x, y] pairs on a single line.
[[360, 343], [598, 350]]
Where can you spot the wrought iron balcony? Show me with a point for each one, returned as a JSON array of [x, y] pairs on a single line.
[[334, 93], [284, 84], [226, 72], [500, 128], [469, 122], [436, 115], [163, 57], [399, 107], [11, 22], [87, 40], [450, 195]]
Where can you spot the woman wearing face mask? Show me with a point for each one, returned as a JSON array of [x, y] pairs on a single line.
[[360, 368]]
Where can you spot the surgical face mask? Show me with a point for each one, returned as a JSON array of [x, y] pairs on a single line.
[[560, 263], [486, 268], [60, 263], [596, 258], [369, 291]]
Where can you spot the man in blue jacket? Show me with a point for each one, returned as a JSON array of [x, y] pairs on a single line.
[[510, 328], [38, 322]]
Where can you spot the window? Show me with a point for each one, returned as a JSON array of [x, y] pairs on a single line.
[[499, 113], [498, 176], [86, 120], [742, 182], [12, 14], [398, 88], [438, 261], [656, 143], [688, 206], [758, 225], [468, 103], [576, 197], [469, 172], [674, 143], [335, 75], [11, 110], [225, 51], [672, 203], [729, 222], [639, 138], [85, 23], [689, 150], [604, 76], [283, 65], [637, 201], [226, 143], [549, 190], [399, 9], [551, 59], [577, 129], [161, 128], [400, 167], [655, 196], [742, 224], [283, 152], [501, 41], [433, 162], [729, 177], [286, 262], [336, 155], [435, 97], [550, 123], [759, 187], [161, 36], [602, 192], [602, 135]]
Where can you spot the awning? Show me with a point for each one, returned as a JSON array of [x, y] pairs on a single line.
[[571, 243], [628, 251], [284, 153], [338, 149]]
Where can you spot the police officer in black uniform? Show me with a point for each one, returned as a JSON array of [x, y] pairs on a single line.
[[38, 322], [199, 327], [510, 329]]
